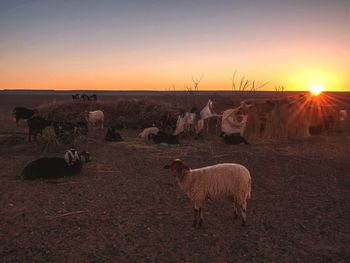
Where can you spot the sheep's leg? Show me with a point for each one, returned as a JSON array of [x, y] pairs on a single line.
[[235, 216], [200, 216], [196, 213], [244, 216], [243, 210]]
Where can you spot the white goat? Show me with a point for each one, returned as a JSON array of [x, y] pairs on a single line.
[[230, 124], [222, 181], [188, 123], [147, 131], [95, 117]]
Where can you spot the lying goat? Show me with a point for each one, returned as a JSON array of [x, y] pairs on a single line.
[[234, 139], [56, 167], [162, 137], [112, 135]]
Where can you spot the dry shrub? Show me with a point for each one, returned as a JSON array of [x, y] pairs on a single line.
[[277, 119], [132, 113], [252, 130]]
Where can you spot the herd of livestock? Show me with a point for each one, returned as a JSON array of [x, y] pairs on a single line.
[[189, 123], [232, 181], [222, 181]]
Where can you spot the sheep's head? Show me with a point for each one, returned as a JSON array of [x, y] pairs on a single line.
[[178, 167]]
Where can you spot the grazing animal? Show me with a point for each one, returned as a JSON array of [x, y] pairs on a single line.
[[147, 131], [55, 167], [95, 117], [228, 181], [36, 125], [23, 113], [162, 137], [234, 139], [112, 135]]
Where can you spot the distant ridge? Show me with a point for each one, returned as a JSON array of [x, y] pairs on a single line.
[[134, 92]]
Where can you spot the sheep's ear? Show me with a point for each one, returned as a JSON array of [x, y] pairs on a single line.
[[167, 166]]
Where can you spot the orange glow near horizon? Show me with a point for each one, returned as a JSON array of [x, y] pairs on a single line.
[[316, 90], [162, 45]]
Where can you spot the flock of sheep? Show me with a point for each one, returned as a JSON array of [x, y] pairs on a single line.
[[222, 181]]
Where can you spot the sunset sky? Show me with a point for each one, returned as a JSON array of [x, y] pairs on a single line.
[[154, 44]]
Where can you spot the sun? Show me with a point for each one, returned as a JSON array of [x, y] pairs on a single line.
[[316, 90]]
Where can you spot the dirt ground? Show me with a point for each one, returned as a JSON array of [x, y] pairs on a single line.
[[124, 207]]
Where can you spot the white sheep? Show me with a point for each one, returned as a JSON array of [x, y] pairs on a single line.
[[94, 117], [147, 131], [222, 181]]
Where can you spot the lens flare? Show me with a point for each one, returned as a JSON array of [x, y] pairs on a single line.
[[316, 90]]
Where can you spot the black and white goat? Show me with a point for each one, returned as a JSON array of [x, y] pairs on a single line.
[[56, 167]]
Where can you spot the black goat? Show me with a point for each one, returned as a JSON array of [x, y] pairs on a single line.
[[54, 167], [112, 135], [162, 137], [19, 113], [36, 125], [234, 139]]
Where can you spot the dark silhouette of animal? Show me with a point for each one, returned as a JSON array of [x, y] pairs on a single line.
[[75, 97], [19, 113], [55, 167], [162, 137], [36, 125], [93, 97], [112, 135], [234, 139], [84, 97]]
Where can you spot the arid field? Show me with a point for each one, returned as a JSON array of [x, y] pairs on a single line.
[[124, 207]]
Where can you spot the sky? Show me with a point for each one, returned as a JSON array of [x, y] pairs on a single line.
[[161, 44]]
